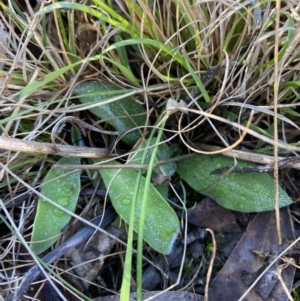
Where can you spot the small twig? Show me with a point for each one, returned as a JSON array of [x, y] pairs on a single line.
[[277, 74], [211, 263], [283, 162], [32, 147], [278, 272]]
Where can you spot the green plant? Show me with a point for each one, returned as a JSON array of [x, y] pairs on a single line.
[[161, 224], [242, 191], [62, 188], [216, 57]]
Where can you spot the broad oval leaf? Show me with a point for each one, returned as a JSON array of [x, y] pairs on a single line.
[[62, 187], [124, 114], [242, 191], [161, 226]]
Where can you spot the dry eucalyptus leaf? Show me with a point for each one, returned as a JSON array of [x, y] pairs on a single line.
[[89, 257], [233, 280]]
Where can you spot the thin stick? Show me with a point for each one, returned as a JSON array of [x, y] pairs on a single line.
[[32, 147], [211, 263], [276, 88], [287, 162]]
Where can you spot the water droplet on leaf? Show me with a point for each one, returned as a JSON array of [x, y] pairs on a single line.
[[126, 201], [63, 201], [58, 212]]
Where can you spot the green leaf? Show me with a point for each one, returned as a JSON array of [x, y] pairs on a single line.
[[163, 153], [161, 226], [123, 114], [242, 191], [62, 187]]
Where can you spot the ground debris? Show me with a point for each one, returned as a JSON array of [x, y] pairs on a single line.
[[244, 266]]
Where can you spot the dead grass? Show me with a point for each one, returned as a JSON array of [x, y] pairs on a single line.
[[172, 45]]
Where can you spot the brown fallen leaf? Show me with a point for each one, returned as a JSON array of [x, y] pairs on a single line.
[[249, 258], [209, 214], [88, 258]]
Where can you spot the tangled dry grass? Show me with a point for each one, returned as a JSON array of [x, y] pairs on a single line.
[[235, 65]]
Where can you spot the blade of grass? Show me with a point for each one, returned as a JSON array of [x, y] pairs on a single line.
[[118, 21], [35, 85], [197, 80], [125, 70], [144, 207], [289, 39], [125, 287]]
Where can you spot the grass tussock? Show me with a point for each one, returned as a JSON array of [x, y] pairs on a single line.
[[217, 57]]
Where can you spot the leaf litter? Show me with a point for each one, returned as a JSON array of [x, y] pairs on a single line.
[[257, 246], [253, 253]]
